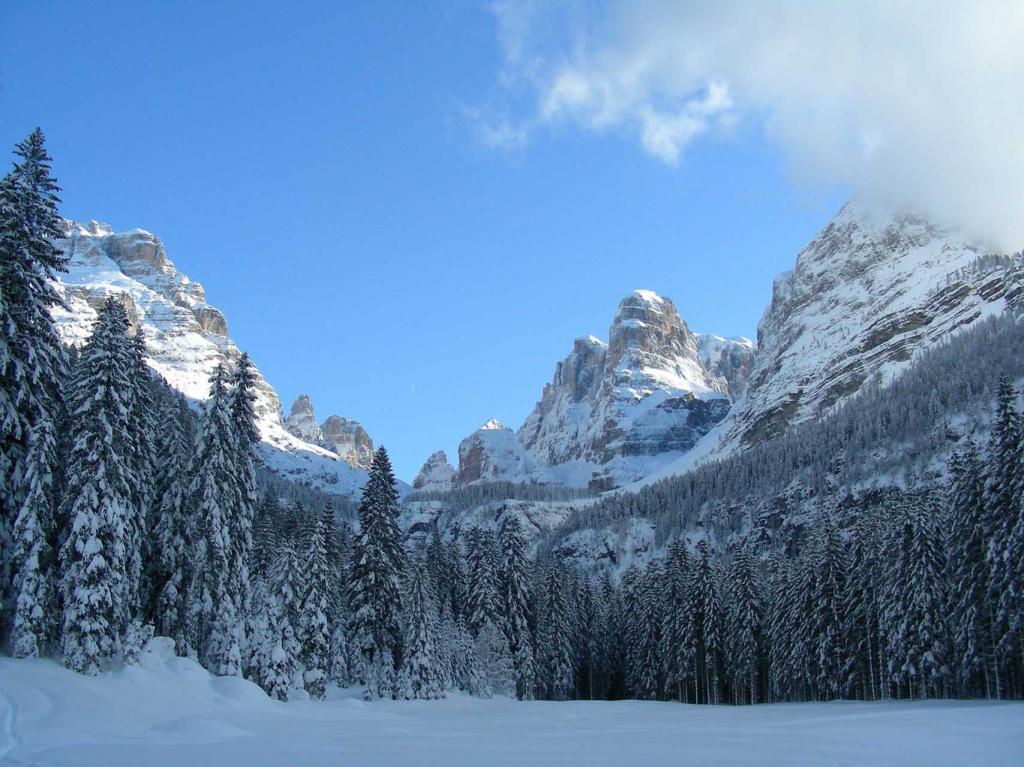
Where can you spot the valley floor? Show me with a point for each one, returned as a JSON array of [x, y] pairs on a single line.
[[169, 711]]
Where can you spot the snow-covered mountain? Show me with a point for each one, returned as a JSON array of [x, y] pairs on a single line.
[[614, 412], [185, 337], [343, 436], [866, 295], [437, 474]]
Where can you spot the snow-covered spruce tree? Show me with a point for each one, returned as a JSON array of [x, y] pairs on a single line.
[[676, 642], [35, 598], [646, 635], [286, 587], [314, 630], [706, 627], [32, 361], [914, 620], [631, 586], [499, 676], [829, 619], [1004, 498], [744, 626], [613, 683], [972, 613], [482, 599], [172, 530], [377, 565], [420, 676], [864, 606], [246, 438], [213, 614], [514, 573], [466, 667], [555, 652], [142, 440], [98, 500]]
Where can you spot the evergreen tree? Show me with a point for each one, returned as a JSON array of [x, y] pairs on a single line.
[[98, 502], [829, 621], [377, 566], [677, 644], [213, 609], [745, 626], [916, 600], [514, 575], [554, 636], [245, 439], [496, 665], [286, 588], [706, 625], [314, 631], [32, 360], [35, 589], [420, 677], [972, 613], [482, 600], [173, 544]]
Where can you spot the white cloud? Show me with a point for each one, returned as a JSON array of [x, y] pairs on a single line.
[[914, 104]]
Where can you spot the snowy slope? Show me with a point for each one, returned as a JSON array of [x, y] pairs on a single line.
[[169, 711], [185, 337], [866, 295]]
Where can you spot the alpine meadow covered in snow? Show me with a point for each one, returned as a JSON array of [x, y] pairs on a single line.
[[696, 548]]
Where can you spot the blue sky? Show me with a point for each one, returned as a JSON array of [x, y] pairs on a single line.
[[320, 170]]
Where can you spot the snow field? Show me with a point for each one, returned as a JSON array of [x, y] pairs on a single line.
[[169, 711]]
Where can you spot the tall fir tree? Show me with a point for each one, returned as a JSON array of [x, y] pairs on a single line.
[[314, 628], [554, 636], [420, 676], [482, 598], [514, 575], [95, 581], [214, 620], [829, 621], [915, 618], [172, 531], [32, 360], [35, 588], [744, 626], [377, 566], [246, 437], [972, 612]]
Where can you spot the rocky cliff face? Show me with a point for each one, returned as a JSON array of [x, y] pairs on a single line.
[[186, 338], [492, 453], [301, 420], [614, 412], [348, 439], [343, 436], [866, 294], [437, 474]]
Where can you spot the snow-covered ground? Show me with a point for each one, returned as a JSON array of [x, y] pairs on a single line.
[[168, 711]]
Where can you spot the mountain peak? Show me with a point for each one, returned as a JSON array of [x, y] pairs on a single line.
[[493, 424]]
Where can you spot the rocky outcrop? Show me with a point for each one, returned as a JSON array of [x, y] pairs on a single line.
[[185, 337], [491, 453], [348, 439], [729, 360], [436, 475], [343, 436], [301, 420]]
